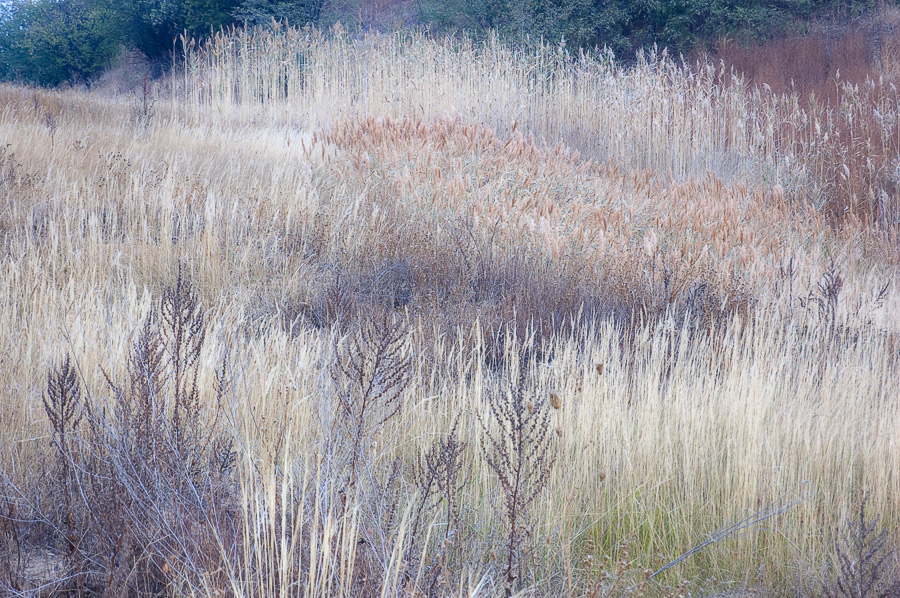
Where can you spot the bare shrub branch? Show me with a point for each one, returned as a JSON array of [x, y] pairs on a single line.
[[517, 446], [864, 562], [370, 373]]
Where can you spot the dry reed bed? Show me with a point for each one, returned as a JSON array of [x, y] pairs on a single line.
[[311, 79], [675, 119], [434, 185], [623, 227], [681, 433]]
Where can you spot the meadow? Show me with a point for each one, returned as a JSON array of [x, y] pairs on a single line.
[[385, 315]]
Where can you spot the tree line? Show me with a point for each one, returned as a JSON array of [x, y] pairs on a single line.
[[50, 42]]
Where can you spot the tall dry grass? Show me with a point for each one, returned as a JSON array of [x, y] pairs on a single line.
[[684, 122], [665, 287]]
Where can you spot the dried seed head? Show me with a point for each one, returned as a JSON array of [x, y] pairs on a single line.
[[602, 476], [559, 432], [599, 368], [650, 244], [555, 400], [778, 193], [530, 406]]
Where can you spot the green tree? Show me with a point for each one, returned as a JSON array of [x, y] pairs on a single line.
[[54, 41], [625, 25], [152, 26], [293, 12], [477, 17], [683, 24], [582, 23]]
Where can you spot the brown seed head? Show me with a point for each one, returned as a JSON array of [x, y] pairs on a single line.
[[555, 400], [599, 368]]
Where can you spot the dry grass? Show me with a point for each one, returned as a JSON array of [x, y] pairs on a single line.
[[640, 239]]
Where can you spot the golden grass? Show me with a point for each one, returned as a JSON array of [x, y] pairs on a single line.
[[295, 162]]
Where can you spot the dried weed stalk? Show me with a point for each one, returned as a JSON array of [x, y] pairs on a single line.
[[143, 492], [440, 475], [369, 375], [864, 562], [64, 409], [517, 446]]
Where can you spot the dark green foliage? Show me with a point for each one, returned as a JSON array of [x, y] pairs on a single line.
[[50, 42], [628, 24], [152, 26], [582, 23], [55, 41], [476, 16], [681, 24], [292, 12]]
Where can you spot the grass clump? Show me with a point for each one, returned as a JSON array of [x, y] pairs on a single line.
[[144, 477]]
